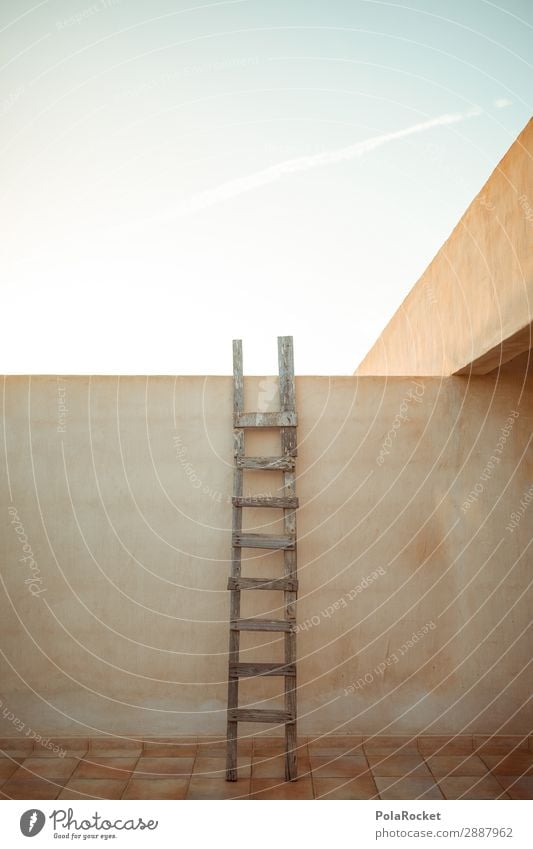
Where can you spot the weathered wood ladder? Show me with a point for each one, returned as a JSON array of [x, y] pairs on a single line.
[[286, 421]]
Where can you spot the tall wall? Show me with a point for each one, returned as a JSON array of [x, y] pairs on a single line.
[[473, 305], [116, 491]]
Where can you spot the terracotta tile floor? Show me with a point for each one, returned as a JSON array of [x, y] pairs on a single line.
[[333, 767]]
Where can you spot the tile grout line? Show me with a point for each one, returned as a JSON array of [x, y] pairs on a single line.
[[312, 777], [506, 789], [80, 759], [13, 760], [478, 777], [409, 774], [128, 782], [434, 777], [438, 778], [47, 779], [365, 755], [192, 768], [72, 773]]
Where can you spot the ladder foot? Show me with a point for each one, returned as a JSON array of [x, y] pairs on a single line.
[[291, 773]]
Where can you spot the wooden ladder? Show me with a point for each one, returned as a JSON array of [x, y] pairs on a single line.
[[286, 421]]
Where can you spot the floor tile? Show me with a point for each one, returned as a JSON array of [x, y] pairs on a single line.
[[517, 788], [20, 745], [264, 745], [43, 752], [94, 788], [346, 766], [499, 744], [121, 746], [35, 788], [15, 754], [7, 767], [148, 768], [56, 768], [215, 746], [273, 788], [452, 765], [518, 763], [407, 788], [346, 743], [332, 754], [472, 787], [438, 744], [213, 788], [411, 766], [403, 744], [67, 746], [215, 767], [156, 788], [218, 750], [74, 743], [92, 754], [95, 767], [168, 747], [161, 770], [265, 766], [341, 788]]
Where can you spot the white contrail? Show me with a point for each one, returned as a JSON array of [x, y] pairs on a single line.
[[233, 188], [242, 185]]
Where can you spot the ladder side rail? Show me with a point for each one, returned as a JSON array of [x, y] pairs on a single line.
[[235, 594]]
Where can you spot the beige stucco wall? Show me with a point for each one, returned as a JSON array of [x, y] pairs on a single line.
[[478, 291], [126, 512]]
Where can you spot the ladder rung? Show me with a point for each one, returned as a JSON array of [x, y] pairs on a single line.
[[245, 540], [285, 503], [248, 715], [284, 584], [262, 625], [277, 464], [249, 670], [283, 418]]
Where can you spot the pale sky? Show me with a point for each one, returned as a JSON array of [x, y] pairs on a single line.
[[178, 174]]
